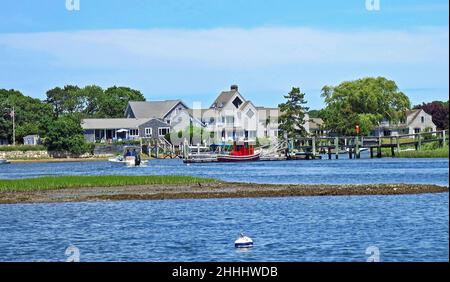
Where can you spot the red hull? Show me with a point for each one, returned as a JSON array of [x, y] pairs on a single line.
[[230, 158]]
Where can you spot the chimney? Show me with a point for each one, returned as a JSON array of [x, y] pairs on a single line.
[[234, 87]]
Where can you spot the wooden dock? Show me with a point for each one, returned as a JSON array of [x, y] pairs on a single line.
[[353, 145]]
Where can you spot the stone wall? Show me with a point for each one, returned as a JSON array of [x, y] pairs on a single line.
[[11, 155], [24, 155]]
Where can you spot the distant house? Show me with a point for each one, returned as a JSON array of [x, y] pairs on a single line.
[[31, 140], [416, 121], [163, 110], [316, 127], [232, 118], [118, 129]]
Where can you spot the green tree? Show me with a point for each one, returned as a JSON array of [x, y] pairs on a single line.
[[115, 101], [66, 134], [364, 102], [92, 96], [31, 115], [292, 117], [65, 100]]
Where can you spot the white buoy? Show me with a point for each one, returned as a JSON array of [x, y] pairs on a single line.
[[243, 241]]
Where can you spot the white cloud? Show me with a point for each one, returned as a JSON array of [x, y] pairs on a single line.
[[231, 47]]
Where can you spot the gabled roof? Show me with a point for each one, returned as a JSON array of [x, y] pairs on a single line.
[[223, 98], [113, 123], [411, 115], [152, 109], [315, 123]]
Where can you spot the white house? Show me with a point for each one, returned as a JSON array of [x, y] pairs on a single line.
[[233, 118], [416, 121]]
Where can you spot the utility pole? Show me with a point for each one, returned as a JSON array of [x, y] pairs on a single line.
[[13, 115]]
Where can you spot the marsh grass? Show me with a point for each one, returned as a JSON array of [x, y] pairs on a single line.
[[61, 182], [435, 153]]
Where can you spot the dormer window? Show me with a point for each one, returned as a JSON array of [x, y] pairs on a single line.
[[422, 119], [237, 102]]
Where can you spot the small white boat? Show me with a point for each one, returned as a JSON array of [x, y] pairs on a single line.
[[130, 157], [129, 161], [2, 161], [243, 241]]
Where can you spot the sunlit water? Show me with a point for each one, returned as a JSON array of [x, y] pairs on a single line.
[[386, 170], [403, 228]]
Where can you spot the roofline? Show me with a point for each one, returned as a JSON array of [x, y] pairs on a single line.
[[178, 102]]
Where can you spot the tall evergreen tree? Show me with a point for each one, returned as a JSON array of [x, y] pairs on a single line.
[[292, 117]]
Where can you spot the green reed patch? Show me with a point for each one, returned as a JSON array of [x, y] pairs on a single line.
[[61, 182]]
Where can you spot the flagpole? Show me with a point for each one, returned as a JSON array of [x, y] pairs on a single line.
[[14, 126]]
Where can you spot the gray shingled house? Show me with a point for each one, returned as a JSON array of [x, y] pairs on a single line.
[[163, 110], [117, 129], [416, 121]]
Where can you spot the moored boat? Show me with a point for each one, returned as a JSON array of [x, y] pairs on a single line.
[[2, 161], [241, 153], [243, 241], [131, 157]]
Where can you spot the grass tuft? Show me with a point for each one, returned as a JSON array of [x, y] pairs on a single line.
[[62, 182]]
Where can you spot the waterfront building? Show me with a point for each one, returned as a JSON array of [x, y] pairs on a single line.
[[31, 140], [119, 129], [415, 121], [230, 117]]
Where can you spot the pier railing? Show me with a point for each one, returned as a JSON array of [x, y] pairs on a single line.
[[353, 145]]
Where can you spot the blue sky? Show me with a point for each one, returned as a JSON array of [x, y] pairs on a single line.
[[194, 49]]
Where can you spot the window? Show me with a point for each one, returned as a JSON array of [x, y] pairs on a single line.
[[211, 120], [250, 113], [416, 130], [148, 132], [229, 120], [134, 132], [162, 131], [237, 102], [422, 119], [168, 121]]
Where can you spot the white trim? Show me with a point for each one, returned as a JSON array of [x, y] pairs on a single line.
[[159, 131], [146, 132]]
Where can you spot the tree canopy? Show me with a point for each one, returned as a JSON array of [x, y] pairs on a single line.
[[66, 134], [364, 102], [31, 115], [292, 117], [92, 101], [62, 104]]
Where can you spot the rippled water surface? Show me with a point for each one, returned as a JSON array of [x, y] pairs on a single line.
[[386, 170], [404, 228]]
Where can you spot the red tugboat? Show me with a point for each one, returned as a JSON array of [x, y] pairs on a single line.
[[241, 153]]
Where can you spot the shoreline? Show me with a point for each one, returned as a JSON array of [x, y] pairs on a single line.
[[68, 160], [209, 190]]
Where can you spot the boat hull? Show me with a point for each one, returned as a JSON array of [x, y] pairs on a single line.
[[230, 158]]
